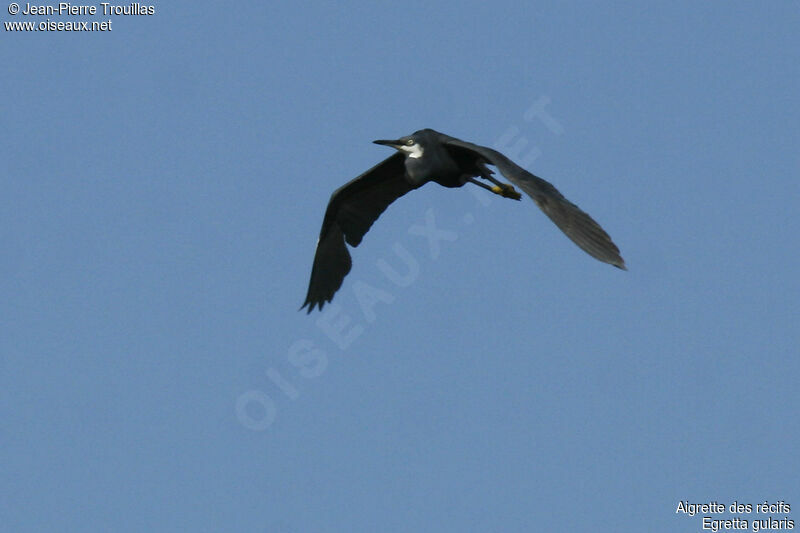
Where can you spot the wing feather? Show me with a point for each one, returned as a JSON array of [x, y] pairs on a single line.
[[574, 222], [352, 210]]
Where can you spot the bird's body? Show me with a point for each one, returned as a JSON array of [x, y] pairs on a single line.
[[430, 161], [425, 156]]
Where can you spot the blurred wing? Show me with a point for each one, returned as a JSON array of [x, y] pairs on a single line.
[[351, 211], [576, 224]]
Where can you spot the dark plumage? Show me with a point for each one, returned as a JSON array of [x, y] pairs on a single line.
[[424, 156]]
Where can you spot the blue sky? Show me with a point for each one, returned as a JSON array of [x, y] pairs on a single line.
[[163, 190]]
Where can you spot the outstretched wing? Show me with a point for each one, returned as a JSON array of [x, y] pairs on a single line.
[[575, 223], [351, 211]]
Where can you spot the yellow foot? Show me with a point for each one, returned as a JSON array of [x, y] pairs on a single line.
[[507, 191]]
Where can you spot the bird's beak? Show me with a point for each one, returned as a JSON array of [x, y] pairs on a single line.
[[393, 144]]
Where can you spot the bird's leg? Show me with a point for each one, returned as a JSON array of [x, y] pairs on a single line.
[[506, 190], [501, 189]]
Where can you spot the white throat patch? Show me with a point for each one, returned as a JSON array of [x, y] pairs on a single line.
[[415, 150]]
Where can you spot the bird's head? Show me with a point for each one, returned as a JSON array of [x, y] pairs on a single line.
[[409, 145]]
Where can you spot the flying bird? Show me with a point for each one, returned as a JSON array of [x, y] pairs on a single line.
[[422, 157]]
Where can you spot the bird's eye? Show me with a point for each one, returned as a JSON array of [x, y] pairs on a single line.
[[410, 142]]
